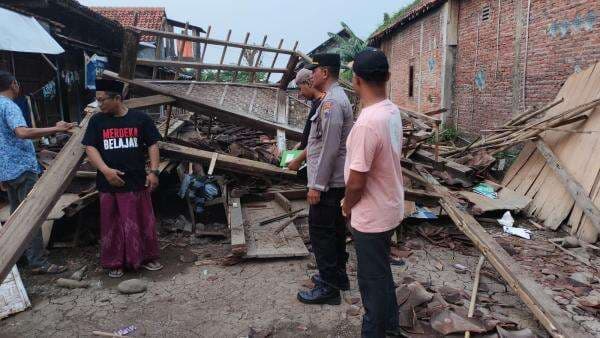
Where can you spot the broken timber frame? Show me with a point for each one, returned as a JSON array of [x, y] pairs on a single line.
[[579, 194], [231, 163], [32, 212], [544, 308], [193, 104]]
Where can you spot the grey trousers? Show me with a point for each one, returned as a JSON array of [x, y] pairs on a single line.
[[17, 191]]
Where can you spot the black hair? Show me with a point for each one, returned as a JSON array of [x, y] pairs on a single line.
[[333, 71], [6, 79], [375, 78]]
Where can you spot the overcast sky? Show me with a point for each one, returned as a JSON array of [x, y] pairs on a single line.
[[306, 21]]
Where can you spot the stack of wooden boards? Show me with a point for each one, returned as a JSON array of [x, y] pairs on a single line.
[[560, 170]]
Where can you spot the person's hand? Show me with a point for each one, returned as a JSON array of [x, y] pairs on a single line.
[[313, 196], [63, 126], [294, 165], [345, 210], [151, 181], [3, 186], [113, 177]]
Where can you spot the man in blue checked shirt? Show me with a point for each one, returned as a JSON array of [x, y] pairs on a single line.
[[19, 168]]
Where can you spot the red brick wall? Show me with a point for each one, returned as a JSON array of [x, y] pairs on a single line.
[[403, 49], [563, 37]]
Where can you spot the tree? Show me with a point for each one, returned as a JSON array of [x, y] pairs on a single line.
[[348, 47]]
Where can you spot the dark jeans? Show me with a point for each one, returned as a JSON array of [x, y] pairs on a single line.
[[17, 191], [376, 283], [327, 229]]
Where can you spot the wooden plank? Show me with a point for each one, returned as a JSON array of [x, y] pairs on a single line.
[[131, 40], [209, 41], [452, 166], [231, 163], [148, 101], [508, 199], [218, 78], [288, 76], [195, 104], [213, 162], [544, 308], [241, 57], [236, 225], [33, 211], [283, 202], [200, 65], [57, 211], [262, 241], [578, 193]]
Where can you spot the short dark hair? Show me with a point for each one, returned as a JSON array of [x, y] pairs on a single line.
[[334, 71], [6, 79], [375, 78]]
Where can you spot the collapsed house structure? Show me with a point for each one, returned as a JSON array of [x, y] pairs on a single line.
[[237, 128]]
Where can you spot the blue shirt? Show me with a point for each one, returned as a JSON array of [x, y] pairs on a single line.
[[16, 155]]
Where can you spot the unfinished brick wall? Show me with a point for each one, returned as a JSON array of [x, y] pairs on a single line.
[[505, 66], [419, 44]]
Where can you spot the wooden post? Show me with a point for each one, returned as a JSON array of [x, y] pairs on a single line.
[[223, 56], [169, 112], [202, 53], [239, 63], [257, 61], [131, 39], [274, 60], [288, 76]]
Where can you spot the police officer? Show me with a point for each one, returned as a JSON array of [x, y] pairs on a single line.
[[326, 154]]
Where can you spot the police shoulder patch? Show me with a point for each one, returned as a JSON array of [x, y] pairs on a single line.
[[326, 108]]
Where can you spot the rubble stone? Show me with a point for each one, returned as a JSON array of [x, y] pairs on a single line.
[[132, 286]]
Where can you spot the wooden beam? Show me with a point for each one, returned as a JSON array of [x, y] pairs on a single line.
[[574, 188], [148, 101], [241, 57], [199, 65], [223, 56], [544, 308], [192, 103], [283, 202], [257, 61], [452, 166], [171, 35], [236, 226], [131, 39], [274, 60], [227, 162], [420, 116], [33, 211], [288, 76]]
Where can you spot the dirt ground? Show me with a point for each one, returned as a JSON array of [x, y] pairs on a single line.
[[247, 299]]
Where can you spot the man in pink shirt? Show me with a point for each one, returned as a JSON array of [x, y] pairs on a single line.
[[374, 196]]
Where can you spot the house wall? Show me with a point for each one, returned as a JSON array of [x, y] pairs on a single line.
[[504, 66], [419, 45]]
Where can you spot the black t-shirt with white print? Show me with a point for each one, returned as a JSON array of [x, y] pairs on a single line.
[[122, 143]]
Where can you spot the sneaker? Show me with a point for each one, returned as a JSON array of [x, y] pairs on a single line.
[[320, 294]]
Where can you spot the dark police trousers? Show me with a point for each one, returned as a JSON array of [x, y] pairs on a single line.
[[376, 283], [327, 230]]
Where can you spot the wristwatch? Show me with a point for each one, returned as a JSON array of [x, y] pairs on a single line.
[[156, 172]]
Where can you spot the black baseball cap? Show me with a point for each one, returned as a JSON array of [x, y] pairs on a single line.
[[370, 61], [106, 85], [325, 60]]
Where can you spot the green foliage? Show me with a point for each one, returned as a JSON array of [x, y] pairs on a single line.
[[388, 20], [348, 47], [449, 134], [227, 76]]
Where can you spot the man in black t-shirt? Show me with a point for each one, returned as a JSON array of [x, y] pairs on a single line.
[[304, 82], [116, 141]]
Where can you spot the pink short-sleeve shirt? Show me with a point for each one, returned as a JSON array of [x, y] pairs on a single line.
[[374, 146]]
